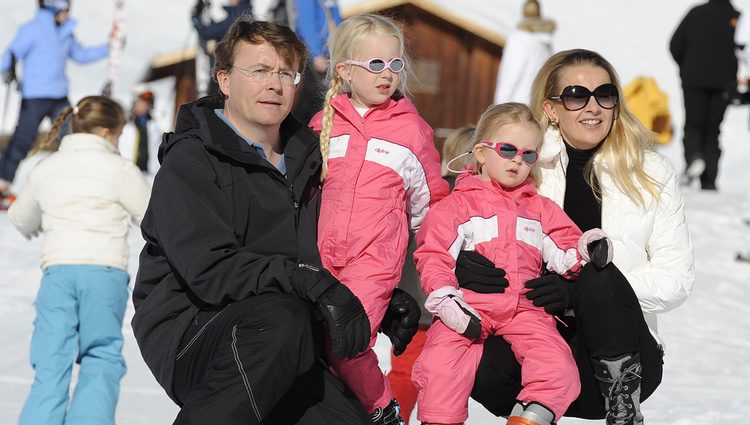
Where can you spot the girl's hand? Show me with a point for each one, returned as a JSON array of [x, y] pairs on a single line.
[[595, 247], [449, 305]]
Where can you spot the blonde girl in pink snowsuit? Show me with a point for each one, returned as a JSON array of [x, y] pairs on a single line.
[[381, 175], [498, 213]]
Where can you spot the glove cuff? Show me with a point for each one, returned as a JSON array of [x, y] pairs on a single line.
[[439, 295], [309, 281]]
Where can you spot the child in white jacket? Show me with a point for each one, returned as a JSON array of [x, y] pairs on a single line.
[[80, 197]]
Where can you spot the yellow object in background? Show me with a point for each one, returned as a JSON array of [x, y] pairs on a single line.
[[651, 106]]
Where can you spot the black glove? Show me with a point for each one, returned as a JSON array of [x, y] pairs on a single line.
[[552, 292], [8, 77], [475, 272], [401, 320], [347, 321]]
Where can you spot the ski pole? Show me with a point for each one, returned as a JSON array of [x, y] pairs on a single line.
[[9, 86]]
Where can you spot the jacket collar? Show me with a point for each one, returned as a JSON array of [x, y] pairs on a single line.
[[198, 120], [85, 141], [383, 112], [470, 182], [553, 149]]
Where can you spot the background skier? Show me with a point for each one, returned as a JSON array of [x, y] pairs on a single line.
[[43, 45]]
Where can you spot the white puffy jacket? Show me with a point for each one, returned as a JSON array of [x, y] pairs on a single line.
[[652, 246], [81, 197]]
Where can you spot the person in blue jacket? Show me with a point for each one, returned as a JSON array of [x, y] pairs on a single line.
[[43, 44], [313, 21]]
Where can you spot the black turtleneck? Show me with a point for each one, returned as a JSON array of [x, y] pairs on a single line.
[[580, 203]]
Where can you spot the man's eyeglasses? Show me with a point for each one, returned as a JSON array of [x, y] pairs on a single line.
[[259, 75], [378, 65], [575, 98], [509, 151]]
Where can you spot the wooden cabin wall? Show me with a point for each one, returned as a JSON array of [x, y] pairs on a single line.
[[456, 71]]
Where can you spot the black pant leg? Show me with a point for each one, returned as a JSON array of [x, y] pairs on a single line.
[[609, 323], [717, 105], [318, 398], [244, 360], [696, 112], [498, 379], [31, 115]]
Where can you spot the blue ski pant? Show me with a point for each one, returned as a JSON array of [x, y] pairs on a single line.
[[79, 313], [31, 115]]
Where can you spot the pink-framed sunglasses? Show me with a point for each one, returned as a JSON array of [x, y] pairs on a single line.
[[378, 65], [509, 151]]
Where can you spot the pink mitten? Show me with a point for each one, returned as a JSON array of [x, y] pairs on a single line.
[[449, 305], [594, 246]]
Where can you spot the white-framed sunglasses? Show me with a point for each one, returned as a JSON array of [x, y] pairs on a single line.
[[378, 65]]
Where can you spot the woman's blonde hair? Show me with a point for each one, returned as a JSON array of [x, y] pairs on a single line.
[[500, 115], [345, 44], [89, 113], [624, 148]]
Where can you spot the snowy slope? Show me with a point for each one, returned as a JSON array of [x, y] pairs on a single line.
[[708, 338]]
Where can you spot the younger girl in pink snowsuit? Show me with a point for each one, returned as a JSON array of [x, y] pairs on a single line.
[[382, 175], [497, 213]]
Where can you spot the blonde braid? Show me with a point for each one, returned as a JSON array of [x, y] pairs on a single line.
[[327, 124], [51, 142]]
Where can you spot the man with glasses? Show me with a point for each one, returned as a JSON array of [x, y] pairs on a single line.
[[229, 293]]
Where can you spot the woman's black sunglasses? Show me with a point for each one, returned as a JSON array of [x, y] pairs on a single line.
[[575, 98]]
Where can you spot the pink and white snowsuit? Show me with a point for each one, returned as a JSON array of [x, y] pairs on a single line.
[[383, 177], [518, 230]]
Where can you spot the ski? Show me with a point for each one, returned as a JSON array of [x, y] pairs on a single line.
[[12, 78], [116, 46]]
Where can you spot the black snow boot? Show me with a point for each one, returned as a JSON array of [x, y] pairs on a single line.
[[620, 384], [389, 415]]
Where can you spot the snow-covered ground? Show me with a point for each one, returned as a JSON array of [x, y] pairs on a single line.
[[708, 338]]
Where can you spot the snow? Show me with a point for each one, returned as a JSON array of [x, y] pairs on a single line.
[[708, 338]]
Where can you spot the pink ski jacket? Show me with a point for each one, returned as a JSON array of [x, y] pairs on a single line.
[[517, 229], [382, 169]]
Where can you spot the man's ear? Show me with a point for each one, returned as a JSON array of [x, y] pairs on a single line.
[[222, 78]]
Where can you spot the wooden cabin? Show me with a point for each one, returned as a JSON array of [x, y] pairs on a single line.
[[181, 66], [455, 60]]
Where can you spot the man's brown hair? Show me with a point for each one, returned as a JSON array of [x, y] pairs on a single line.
[[282, 38]]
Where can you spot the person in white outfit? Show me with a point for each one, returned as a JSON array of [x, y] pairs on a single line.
[[80, 197], [141, 136], [526, 49]]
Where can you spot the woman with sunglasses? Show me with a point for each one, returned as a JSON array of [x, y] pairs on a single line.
[[381, 174], [495, 211], [596, 162]]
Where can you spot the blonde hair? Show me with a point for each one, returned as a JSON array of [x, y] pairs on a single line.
[[344, 45], [500, 115], [458, 143], [624, 148], [89, 113]]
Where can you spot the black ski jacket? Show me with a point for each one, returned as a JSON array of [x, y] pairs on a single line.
[[223, 225], [703, 46]]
